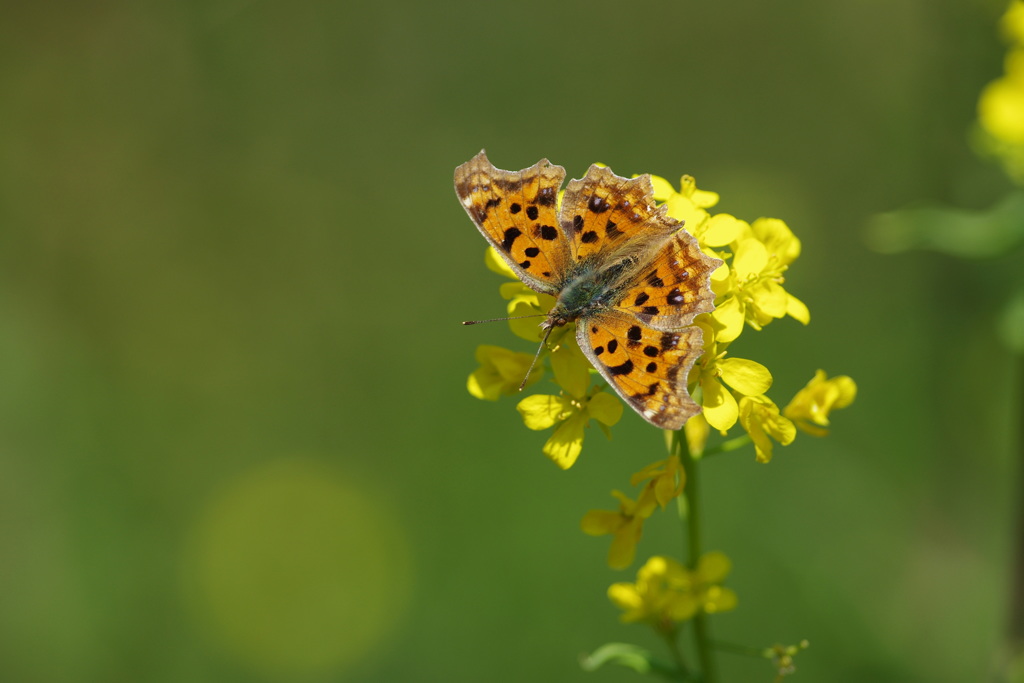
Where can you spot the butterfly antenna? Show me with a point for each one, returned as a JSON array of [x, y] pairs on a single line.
[[494, 320], [543, 343]]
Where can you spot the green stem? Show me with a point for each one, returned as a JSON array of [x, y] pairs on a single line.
[[701, 630], [677, 655], [730, 445], [745, 650]]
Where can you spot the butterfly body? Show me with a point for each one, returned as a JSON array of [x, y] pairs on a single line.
[[619, 267]]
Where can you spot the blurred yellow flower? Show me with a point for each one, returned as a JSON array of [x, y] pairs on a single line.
[[666, 592], [1012, 22], [665, 480], [626, 525], [761, 419], [500, 373], [810, 408], [571, 414], [1001, 104]]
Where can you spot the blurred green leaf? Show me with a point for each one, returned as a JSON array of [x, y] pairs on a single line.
[[968, 234], [1011, 323], [630, 656]]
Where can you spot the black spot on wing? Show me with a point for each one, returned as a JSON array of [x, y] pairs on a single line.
[[548, 232], [598, 204], [641, 299], [532, 252], [588, 237], [612, 346], [510, 237], [612, 230], [635, 333], [675, 297], [623, 369], [546, 196], [532, 213], [515, 208], [577, 223], [651, 351]]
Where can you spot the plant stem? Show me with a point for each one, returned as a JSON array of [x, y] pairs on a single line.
[[701, 631], [677, 655], [730, 445]]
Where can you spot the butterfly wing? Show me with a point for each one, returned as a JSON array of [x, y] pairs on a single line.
[[517, 213], [648, 368], [643, 345], [605, 215], [673, 287]]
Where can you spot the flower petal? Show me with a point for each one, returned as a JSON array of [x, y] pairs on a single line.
[[720, 408], [745, 376], [497, 264], [542, 411], [663, 189], [566, 444], [729, 318], [601, 522], [571, 368], [796, 309], [750, 259], [622, 551], [722, 229], [605, 408], [713, 567]]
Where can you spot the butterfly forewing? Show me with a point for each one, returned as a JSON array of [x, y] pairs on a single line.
[[517, 213], [647, 367], [603, 213], [674, 286]]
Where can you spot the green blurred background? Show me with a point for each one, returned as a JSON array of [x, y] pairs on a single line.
[[236, 443]]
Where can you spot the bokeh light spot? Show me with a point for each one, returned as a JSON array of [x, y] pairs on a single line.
[[296, 571]]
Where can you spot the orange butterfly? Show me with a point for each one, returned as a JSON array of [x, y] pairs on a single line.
[[627, 274]]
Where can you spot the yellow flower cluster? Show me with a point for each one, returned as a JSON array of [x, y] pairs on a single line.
[[749, 292], [666, 592], [1001, 105]]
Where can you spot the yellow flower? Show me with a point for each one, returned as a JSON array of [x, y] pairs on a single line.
[[1013, 22], [1001, 104], [626, 525], [665, 480], [760, 417], [500, 373], [811, 406], [752, 292], [571, 414], [666, 592], [714, 371]]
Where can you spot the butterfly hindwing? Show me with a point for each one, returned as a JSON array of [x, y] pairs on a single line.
[[517, 213], [673, 287], [647, 367], [603, 212]]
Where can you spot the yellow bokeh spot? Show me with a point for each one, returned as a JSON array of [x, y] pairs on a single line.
[[296, 571]]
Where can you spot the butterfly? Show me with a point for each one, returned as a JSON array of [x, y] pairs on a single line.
[[626, 273]]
